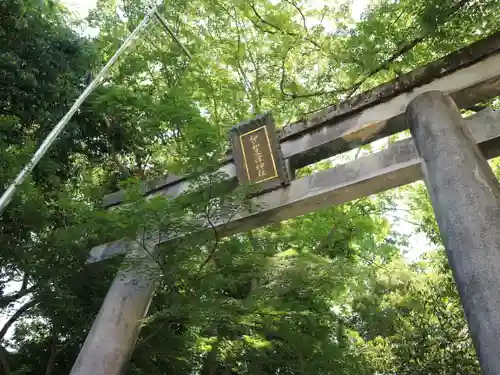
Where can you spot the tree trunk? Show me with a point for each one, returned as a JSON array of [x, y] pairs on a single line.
[[4, 362], [52, 352]]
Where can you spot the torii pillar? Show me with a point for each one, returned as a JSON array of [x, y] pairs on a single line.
[[466, 198], [111, 340]]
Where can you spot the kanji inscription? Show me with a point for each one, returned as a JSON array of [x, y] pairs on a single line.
[[257, 154], [259, 162]]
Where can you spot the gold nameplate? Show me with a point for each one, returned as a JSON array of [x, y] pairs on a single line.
[[257, 153], [258, 156]]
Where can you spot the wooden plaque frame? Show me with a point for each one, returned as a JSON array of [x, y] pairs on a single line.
[[257, 154]]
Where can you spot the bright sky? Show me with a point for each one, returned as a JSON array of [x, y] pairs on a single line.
[[82, 7]]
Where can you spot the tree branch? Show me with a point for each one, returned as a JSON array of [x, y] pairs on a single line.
[[294, 95], [6, 300], [151, 335], [400, 52], [405, 48], [300, 12], [123, 169], [279, 29], [256, 96], [15, 317], [386, 64], [214, 229], [247, 86], [357, 153], [283, 72]]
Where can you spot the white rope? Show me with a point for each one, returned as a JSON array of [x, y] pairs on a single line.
[[49, 140]]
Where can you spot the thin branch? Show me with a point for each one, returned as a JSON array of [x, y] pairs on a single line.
[[282, 81], [256, 97], [385, 65], [267, 31], [300, 12], [214, 229], [403, 11], [265, 22], [155, 46], [316, 93], [404, 49], [141, 243], [123, 169], [350, 91], [325, 9], [152, 334], [247, 87], [327, 239], [405, 220], [252, 240], [357, 153], [294, 95], [279, 29], [210, 255], [152, 76]]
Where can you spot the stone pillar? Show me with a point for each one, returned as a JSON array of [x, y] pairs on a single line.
[[466, 198], [111, 340]]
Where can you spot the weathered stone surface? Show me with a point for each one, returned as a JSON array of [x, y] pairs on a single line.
[[405, 83], [466, 198], [112, 337]]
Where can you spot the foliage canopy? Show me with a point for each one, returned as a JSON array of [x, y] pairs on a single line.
[[329, 292]]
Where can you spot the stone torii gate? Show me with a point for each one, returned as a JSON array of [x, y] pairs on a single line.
[[447, 151]]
